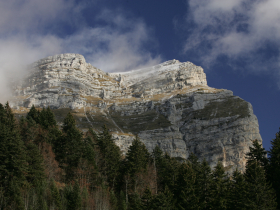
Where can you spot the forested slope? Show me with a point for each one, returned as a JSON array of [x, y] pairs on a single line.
[[44, 166]]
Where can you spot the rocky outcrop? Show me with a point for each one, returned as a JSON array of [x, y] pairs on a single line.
[[169, 105]]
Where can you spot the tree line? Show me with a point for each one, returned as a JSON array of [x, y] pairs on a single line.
[[44, 166]]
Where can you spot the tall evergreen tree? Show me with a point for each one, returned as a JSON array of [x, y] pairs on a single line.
[[33, 114], [219, 188], [274, 166], [260, 193], [73, 197], [12, 157], [56, 198], [163, 201], [137, 157], [68, 147], [257, 153], [136, 162], [204, 182], [187, 188], [238, 191], [109, 163]]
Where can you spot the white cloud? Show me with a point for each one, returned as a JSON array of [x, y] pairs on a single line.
[[236, 29], [29, 32], [117, 46]]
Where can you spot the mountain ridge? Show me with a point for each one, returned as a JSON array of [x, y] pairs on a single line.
[[169, 105]]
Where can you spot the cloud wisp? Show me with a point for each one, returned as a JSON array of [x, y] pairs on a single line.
[[32, 29], [244, 30]]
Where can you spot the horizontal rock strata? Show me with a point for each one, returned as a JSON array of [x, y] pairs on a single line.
[[169, 105]]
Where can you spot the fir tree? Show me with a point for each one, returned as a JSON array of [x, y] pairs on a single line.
[[109, 164], [163, 200], [33, 114], [68, 148], [274, 166], [187, 188], [238, 191], [135, 202], [136, 161], [257, 153], [55, 195], [204, 182], [12, 157], [137, 157], [219, 188], [35, 168], [146, 199], [73, 197], [260, 194]]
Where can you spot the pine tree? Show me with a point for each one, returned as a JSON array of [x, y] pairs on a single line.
[[260, 194], [146, 199], [274, 166], [136, 161], [238, 191], [122, 205], [167, 171], [137, 157], [134, 202], [257, 153], [12, 157], [109, 163], [35, 168], [33, 114], [73, 197], [187, 189], [219, 188], [163, 200], [68, 148], [55, 195], [204, 182]]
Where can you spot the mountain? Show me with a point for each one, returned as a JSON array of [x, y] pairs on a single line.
[[169, 105]]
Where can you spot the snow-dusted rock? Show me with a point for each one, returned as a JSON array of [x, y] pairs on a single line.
[[169, 105]]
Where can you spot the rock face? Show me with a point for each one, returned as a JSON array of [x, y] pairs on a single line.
[[169, 105]]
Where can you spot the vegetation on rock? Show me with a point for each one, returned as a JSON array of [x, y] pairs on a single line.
[[43, 166]]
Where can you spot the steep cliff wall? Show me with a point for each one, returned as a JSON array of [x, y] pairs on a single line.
[[169, 105]]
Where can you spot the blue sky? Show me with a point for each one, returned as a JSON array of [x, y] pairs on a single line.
[[235, 41]]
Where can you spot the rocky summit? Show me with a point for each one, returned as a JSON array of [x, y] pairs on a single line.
[[169, 105]]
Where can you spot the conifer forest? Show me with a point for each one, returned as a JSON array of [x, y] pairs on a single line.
[[46, 166]]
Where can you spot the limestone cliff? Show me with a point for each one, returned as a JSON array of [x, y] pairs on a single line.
[[169, 105]]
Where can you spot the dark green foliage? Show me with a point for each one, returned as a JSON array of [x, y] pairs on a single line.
[[68, 148], [137, 158], [33, 114], [122, 205], [146, 199], [167, 171], [219, 189], [260, 194], [274, 166], [134, 202], [187, 191], [55, 195], [141, 181], [163, 201], [257, 153], [238, 191], [109, 164], [13, 164], [35, 169], [73, 197]]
